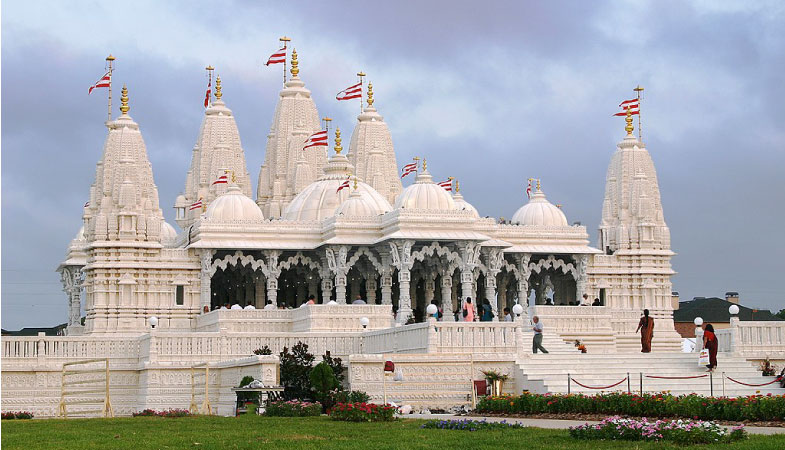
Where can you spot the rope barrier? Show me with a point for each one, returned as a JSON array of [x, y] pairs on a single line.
[[676, 378], [755, 385], [599, 387]]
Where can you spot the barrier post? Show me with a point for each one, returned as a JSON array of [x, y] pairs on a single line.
[[568, 384], [641, 375], [711, 384], [629, 391]]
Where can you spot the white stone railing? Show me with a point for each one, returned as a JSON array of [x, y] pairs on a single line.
[[47, 349], [404, 339], [753, 339], [574, 319], [244, 320], [318, 318], [445, 337]]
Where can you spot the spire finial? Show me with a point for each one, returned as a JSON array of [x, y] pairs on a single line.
[[338, 147], [234, 178], [295, 69], [370, 94], [424, 164], [457, 186], [110, 57], [355, 182], [628, 128], [218, 93], [124, 101], [538, 185]]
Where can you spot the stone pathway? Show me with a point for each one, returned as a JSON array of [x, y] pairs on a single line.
[[559, 424]]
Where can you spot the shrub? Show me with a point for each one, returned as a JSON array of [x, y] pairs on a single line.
[[337, 365], [362, 412], [164, 413], [322, 382], [678, 431], [754, 408], [470, 425], [350, 397], [293, 408], [295, 368], [263, 351], [11, 415]]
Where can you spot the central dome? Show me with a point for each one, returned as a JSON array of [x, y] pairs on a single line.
[[424, 194], [233, 205], [539, 212], [320, 199]]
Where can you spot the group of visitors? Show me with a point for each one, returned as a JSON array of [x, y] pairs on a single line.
[[584, 302], [710, 343]]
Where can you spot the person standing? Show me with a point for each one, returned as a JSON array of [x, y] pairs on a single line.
[[468, 310], [710, 343], [487, 311], [646, 327], [537, 341], [507, 316]]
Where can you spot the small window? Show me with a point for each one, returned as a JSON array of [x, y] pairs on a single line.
[[179, 295]]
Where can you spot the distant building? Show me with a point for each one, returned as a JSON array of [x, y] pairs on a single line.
[[58, 330], [714, 310]]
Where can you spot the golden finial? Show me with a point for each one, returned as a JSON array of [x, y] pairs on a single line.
[[355, 182], [370, 94], [124, 101], [338, 147], [218, 93], [295, 70], [424, 164], [457, 186], [629, 126], [234, 178], [110, 57], [284, 39], [361, 74], [209, 67], [538, 185]]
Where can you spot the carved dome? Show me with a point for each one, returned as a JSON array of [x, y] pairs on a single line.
[[424, 194], [234, 205], [168, 233], [320, 199], [540, 212], [463, 205], [360, 204]]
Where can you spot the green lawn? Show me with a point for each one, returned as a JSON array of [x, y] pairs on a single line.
[[292, 433]]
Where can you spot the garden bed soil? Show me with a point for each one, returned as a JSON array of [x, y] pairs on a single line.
[[600, 417]]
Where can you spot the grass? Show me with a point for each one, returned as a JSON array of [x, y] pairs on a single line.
[[255, 432]]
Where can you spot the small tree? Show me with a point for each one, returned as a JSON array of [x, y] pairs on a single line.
[[295, 367], [322, 382], [337, 365]]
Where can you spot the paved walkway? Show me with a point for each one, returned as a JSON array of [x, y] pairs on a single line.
[[560, 424]]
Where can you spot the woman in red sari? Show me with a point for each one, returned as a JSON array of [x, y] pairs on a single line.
[[646, 327], [710, 343]]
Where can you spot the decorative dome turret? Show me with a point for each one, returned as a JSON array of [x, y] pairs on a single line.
[[539, 212], [425, 195], [320, 200], [461, 204], [168, 233], [360, 204], [233, 206]]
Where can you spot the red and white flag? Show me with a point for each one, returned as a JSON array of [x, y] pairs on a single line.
[[209, 91], [223, 179], [529, 189], [104, 82], [631, 105], [196, 205], [447, 185], [354, 91], [409, 168], [345, 184], [318, 139], [277, 57]]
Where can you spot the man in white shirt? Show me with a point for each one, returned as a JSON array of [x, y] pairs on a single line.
[[359, 300], [507, 315], [537, 341], [269, 305]]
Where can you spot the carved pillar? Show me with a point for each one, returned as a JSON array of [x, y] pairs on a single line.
[[327, 290], [336, 262], [259, 291], [370, 289], [340, 289], [430, 289], [273, 271], [401, 254], [490, 295], [449, 316], [494, 261], [387, 282], [205, 293], [582, 278]]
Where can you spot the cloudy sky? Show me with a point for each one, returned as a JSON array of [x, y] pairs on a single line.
[[490, 93]]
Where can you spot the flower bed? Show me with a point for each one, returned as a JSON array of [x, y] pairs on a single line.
[[678, 431], [164, 413], [753, 408], [17, 415], [470, 425], [362, 412], [293, 408]]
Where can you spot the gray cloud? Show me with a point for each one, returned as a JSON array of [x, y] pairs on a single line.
[[491, 93]]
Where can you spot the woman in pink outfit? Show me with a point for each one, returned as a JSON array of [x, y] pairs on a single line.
[[468, 310]]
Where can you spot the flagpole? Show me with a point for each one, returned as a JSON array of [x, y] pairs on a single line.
[[327, 121], [361, 74], [110, 59], [638, 90], [209, 70], [285, 41]]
